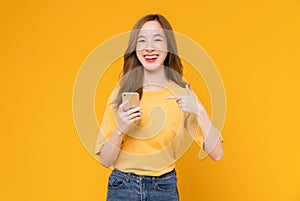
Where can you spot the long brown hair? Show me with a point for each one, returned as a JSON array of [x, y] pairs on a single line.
[[133, 81]]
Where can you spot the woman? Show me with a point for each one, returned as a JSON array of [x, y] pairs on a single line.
[[144, 142]]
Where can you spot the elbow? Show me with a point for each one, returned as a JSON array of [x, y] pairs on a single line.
[[107, 165], [102, 159], [218, 156], [216, 153], [105, 162]]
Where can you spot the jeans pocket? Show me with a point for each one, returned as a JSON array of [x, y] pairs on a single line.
[[167, 184], [115, 182]]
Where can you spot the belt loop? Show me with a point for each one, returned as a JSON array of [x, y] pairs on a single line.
[[154, 179], [128, 177]]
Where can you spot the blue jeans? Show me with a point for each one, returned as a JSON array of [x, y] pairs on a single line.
[[124, 186]]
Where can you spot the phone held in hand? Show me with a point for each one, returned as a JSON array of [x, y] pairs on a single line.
[[132, 98]]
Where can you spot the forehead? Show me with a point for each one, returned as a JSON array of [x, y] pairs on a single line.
[[151, 28]]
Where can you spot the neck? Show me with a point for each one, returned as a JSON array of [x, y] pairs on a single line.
[[154, 80]]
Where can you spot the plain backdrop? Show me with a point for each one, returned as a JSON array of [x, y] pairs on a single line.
[[255, 45]]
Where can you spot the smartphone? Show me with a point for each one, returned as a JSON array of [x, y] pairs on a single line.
[[132, 98]]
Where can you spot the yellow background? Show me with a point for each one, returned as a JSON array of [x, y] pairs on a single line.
[[255, 45]]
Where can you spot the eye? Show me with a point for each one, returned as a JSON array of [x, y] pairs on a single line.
[[158, 40], [141, 41]]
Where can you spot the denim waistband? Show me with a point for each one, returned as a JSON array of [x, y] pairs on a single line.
[[129, 175]]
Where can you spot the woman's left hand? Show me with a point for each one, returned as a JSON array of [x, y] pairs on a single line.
[[188, 103]]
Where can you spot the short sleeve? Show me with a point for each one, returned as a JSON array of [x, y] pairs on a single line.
[[199, 138], [107, 126], [195, 132], [192, 127]]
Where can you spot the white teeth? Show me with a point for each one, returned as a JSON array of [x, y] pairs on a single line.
[[151, 57]]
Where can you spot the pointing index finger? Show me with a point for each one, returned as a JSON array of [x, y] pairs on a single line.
[[173, 97]]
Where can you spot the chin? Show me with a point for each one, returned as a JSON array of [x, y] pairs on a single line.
[[152, 67]]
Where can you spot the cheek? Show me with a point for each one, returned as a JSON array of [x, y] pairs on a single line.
[[139, 55], [163, 56], [161, 47], [163, 51]]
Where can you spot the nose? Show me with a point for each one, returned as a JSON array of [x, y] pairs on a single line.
[[150, 47]]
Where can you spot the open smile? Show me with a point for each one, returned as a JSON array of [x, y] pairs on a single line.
[[151, 58]]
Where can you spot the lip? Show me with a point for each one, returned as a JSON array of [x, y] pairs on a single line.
[[150, 58]]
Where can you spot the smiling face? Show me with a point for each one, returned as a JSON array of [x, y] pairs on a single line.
[[151, 48]]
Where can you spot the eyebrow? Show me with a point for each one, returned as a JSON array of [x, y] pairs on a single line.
[[141, 36], [158, 35]]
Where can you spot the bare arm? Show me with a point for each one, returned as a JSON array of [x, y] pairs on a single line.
[[111, 149], [212, 139], [191, 104]]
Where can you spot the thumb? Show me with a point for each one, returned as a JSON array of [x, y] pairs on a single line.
[[122, 106], [188, 89]]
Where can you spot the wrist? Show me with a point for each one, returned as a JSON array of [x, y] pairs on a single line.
[[118, 132], [116, 138]]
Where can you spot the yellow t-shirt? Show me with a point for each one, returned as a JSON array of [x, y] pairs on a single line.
[[161, 137]]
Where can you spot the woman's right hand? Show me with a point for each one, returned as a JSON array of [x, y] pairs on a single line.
[[126, 118]]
